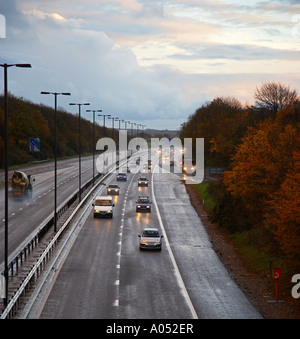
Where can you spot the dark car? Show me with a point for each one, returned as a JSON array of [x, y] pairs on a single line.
[[150, 239], [122, 177], [143, 204], [113, 189], [143, 182]]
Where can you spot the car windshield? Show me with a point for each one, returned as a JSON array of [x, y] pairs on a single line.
[[121, 173], [143, 179], [143, 200], [150, 233], [113, 186], [102, 202]]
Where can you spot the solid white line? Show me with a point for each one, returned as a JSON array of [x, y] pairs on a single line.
[[177, 272]]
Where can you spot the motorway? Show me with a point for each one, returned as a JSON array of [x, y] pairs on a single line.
[[25, 217], [105, 275]]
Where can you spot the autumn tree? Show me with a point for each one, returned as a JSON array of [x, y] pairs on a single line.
[[27, 120], [274, 96], [222, 123], [283, 213], [250, 175], [264, 174]]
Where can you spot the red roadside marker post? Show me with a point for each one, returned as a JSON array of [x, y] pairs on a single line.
[[276, 276]]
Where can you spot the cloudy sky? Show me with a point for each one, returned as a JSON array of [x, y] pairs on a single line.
[[150, 62]]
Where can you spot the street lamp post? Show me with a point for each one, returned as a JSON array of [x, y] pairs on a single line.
[[96, 110], [113, 125], [143, 130], [137, 129], [120, 123], [55, 153], [104, 115], [130, 128], [79, 150], [5, 66]]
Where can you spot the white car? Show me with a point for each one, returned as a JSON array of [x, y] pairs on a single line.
[[103, 206]]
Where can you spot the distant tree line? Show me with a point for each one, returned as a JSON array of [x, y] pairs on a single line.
[[29, 120], [260, 148]]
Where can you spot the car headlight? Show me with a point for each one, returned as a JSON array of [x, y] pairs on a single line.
[[138, 206], [109, 211], [148, 206], [97, 211]]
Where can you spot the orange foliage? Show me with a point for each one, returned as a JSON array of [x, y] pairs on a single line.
[[283, 216], [265, 174], [255, 166]]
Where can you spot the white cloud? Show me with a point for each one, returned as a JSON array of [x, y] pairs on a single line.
[[89, 65], [144, 61]]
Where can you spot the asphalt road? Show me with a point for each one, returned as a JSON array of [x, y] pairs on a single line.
[[105, 275], [25, 217]]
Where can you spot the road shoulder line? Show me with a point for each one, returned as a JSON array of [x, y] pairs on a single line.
[[176, 269]]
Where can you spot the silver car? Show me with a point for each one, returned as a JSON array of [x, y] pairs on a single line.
[[150, 239], [113, 189]]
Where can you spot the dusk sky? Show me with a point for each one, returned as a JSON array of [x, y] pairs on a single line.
[[150, 62]]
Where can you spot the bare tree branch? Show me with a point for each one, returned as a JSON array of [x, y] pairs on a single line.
[[274, 96]]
